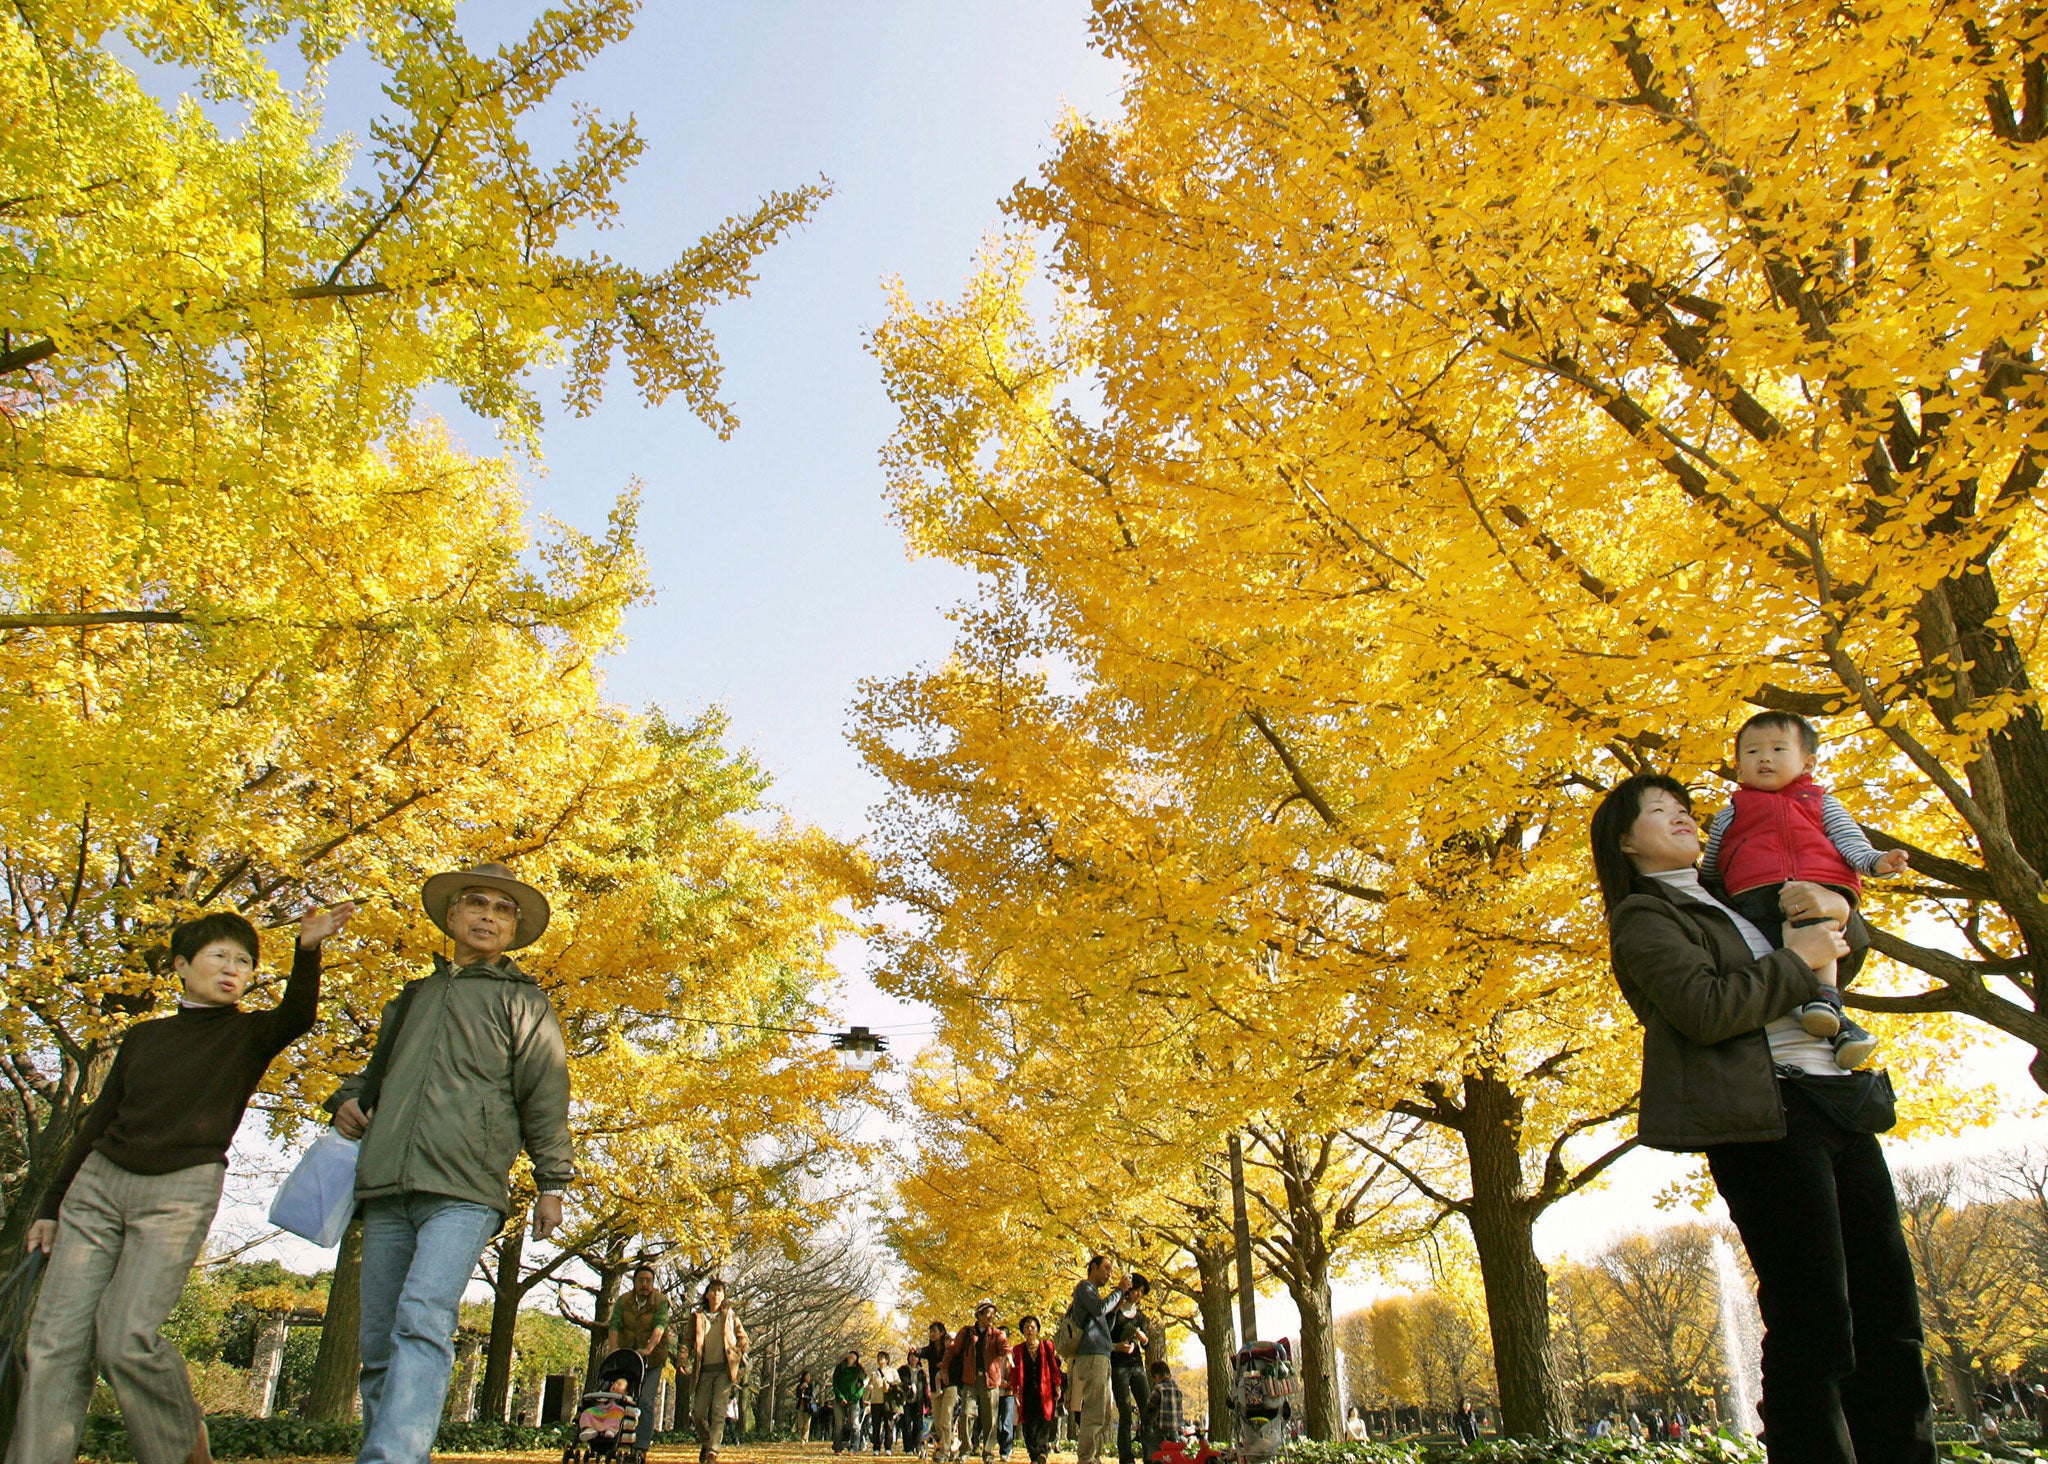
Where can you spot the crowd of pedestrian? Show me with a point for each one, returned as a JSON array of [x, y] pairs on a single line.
[[976, 1391]]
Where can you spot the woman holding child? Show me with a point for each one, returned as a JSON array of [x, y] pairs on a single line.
[[1731, 1070]]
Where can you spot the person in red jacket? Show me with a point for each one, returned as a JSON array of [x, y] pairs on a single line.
[[982, 1352], [1038, 1382], [1781, 828]]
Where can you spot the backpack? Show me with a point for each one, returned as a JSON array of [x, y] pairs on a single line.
[[1066, 1338]]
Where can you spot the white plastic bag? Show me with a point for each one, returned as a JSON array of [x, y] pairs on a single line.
[[318, 1197]]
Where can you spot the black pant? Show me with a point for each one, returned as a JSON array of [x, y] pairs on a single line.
[[881, 1428], [1038, 1429], [1760, 908], [1127, 1386], [1842, 1377]]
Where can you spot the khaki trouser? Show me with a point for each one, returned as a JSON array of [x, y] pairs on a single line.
[[125, 1244], [1088, 1396], [708, 1402], [942, 1423], [982, 1398]]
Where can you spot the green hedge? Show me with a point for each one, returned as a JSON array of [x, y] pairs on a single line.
[[1608, 1451], [1599, 1451], [1525, 1451], [237, 1437]]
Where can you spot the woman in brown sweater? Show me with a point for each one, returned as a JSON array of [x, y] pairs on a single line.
[[128, 1211]]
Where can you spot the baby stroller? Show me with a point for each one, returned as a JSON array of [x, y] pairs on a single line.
[[1262, 1393], [607, 1422]]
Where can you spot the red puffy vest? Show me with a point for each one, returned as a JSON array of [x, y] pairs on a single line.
[[1778, 836]]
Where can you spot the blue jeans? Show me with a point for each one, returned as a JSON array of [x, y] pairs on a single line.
[[419, 1252]]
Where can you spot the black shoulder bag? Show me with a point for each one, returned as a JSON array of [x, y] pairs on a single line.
[[1862, 1103], [387, 1040]]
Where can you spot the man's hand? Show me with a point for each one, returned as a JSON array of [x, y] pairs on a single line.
[[1892, 861], [547, 1216], [317, 926], [350, 1121], [42, 1236]]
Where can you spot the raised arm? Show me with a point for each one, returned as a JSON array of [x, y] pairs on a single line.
[[294, 1015]]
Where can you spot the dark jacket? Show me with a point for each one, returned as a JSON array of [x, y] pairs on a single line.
[[1125, 1329], [1704, 1000]]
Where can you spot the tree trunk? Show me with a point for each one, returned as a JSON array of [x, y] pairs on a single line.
[[506, 1294], [1320, 1414], [48, 1143], [339, 1362], [1241, 1230], [1503, 1221], [611, 1273], [1219, 1340]]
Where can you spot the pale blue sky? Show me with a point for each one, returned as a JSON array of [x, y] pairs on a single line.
[[781, 581]]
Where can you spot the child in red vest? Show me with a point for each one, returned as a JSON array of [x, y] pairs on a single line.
[[1783, 826]]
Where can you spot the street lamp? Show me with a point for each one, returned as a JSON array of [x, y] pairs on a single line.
[[859, 1049]]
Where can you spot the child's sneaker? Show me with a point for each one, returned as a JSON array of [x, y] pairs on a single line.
[[1821, 1018], [1853, 1045]]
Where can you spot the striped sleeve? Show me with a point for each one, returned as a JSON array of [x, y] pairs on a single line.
[[1847, 835], [1710, 858]]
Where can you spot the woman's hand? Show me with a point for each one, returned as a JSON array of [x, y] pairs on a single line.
[[1802, 900], [1820, 946], [42, 1236], [320, 924]]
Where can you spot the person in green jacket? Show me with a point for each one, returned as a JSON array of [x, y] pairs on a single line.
[[849, 1386], [469, 1068]]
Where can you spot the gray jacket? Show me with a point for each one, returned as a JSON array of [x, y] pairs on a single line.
[[1704, 1000], [479, 1071], [1091, 1310]]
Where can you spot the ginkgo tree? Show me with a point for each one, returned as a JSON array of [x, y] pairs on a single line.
[[267, 637], [1472, 404], [1643, 368], [1121, 891]]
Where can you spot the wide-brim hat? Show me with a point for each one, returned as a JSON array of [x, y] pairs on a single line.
[[437, 893]]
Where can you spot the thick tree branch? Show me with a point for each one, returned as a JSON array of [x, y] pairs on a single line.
[[1308, 789]]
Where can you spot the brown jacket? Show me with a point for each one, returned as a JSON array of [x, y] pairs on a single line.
[[635, 1321], [988, 1362], [1704, 1000], [735, 1339]]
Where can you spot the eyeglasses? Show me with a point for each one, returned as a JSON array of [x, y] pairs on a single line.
[[480, 903]]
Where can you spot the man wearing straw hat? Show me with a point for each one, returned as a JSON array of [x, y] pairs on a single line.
[[469, 1068]]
